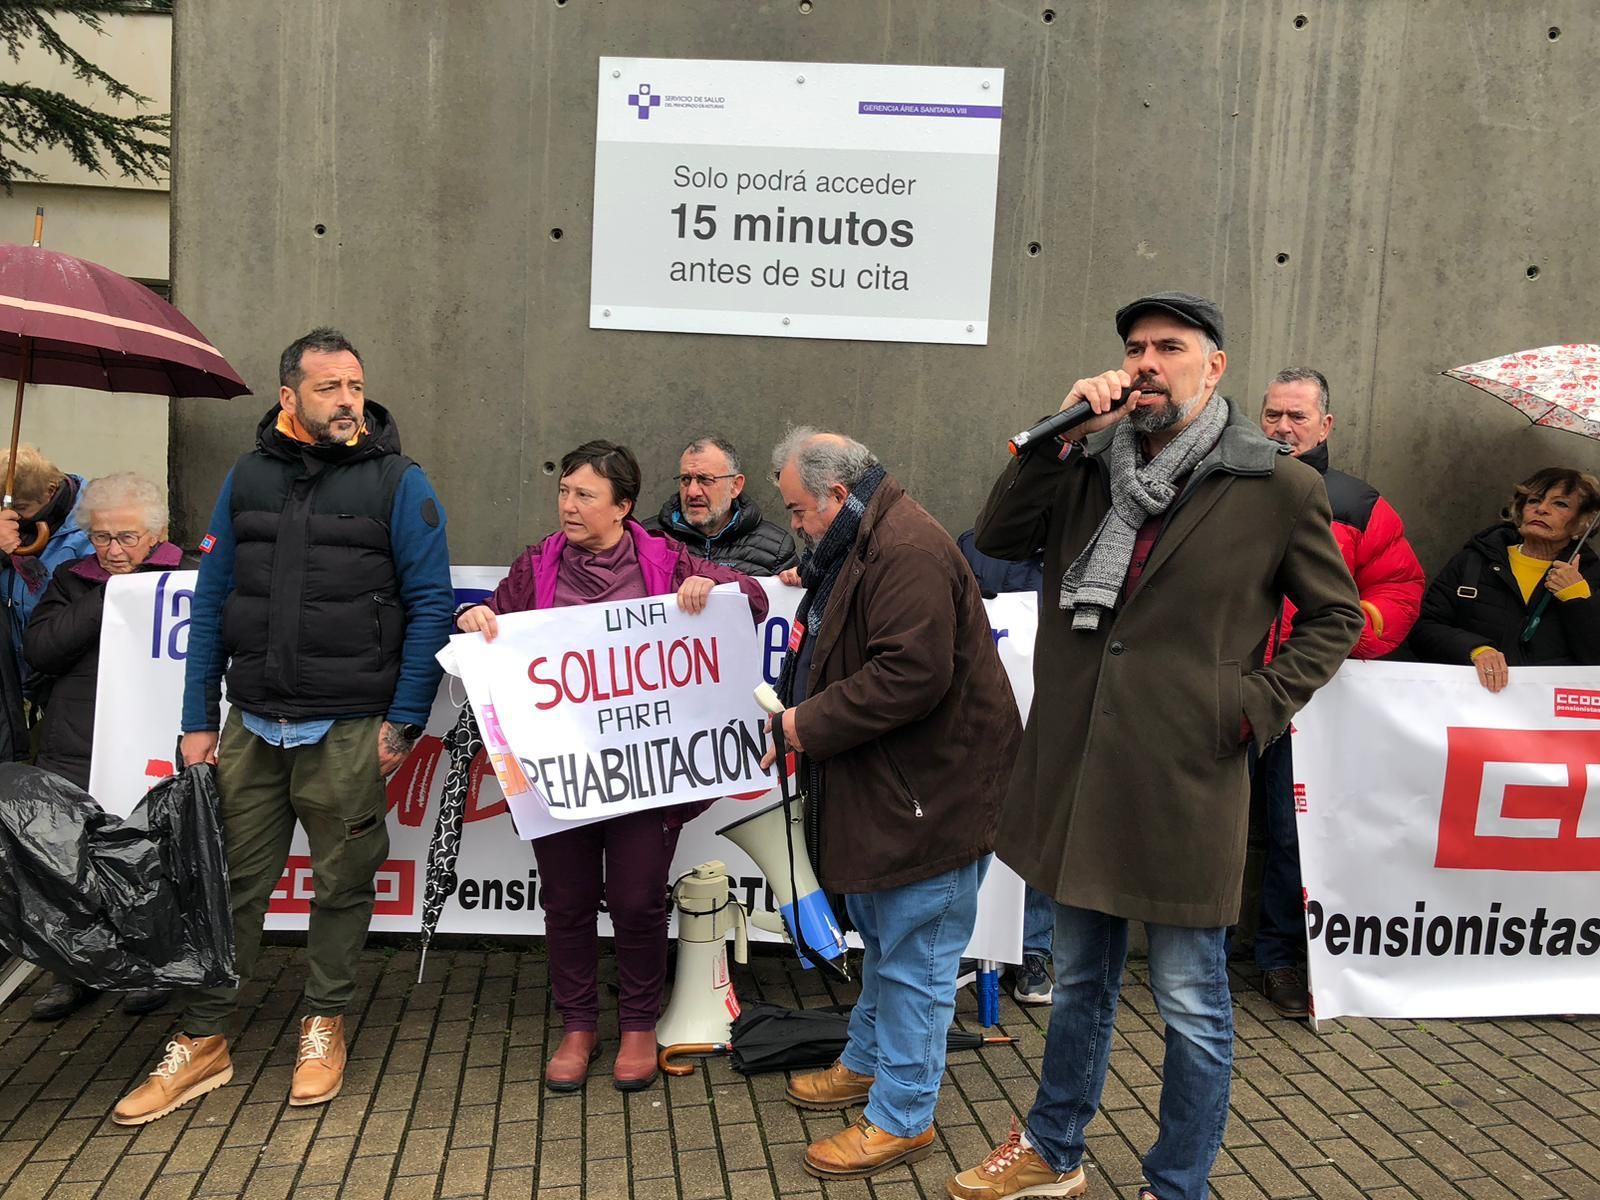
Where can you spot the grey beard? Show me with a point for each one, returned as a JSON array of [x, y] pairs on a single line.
[[714, 522], [1164, 417]]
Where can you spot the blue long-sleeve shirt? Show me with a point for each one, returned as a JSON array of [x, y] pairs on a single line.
[[422, 571]]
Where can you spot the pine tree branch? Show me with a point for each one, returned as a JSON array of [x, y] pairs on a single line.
[[34, 118]]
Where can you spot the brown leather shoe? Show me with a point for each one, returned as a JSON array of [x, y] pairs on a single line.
[[823, 1091], [192, 1067], [635, 1068], [862, 1150], [569, 1065], [319, 1071]]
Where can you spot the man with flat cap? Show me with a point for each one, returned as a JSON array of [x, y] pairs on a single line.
[[1171, 529]]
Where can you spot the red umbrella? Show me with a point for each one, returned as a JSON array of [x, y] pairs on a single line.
[[65, 320]]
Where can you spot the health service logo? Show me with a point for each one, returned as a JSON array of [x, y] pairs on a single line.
[[644, 100]]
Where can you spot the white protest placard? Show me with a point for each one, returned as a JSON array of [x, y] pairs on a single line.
[[821, 200], [143, 649], [619, 707], [1450, 841]]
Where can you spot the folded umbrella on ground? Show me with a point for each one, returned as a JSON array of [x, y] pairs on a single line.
[[769, 1037]]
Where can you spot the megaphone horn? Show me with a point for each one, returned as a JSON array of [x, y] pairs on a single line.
[[764, 836]]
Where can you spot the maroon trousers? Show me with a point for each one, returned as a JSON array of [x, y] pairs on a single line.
[[623, 861]]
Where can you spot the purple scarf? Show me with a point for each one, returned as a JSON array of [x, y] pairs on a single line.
[[587, 578]]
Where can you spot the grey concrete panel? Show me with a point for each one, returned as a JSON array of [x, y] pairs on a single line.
[[1407, 159]]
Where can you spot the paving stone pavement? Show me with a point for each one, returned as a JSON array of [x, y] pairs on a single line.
[[443, 1099]]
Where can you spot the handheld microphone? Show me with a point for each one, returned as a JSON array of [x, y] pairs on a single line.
[[1059, 423]]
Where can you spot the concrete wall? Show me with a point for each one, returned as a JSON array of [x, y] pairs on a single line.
[[110, 219], [1364, 185]]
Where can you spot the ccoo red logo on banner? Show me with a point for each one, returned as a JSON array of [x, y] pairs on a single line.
[[1578, 702], [396, 884], [1521, 800]]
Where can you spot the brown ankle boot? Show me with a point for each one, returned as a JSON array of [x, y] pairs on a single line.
[[569, 1065], [635, 1067], [862, 1150], [319, 1071], [823, 1091], [192, 1067]]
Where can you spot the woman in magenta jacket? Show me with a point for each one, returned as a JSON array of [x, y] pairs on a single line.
[[601, 553]]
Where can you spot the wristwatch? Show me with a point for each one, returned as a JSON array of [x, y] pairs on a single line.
[[411, 732]]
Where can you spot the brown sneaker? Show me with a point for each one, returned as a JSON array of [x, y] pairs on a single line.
[[192, 1067], [1013, 1169], [319, 1071], [863, 1149], [824, 1091]]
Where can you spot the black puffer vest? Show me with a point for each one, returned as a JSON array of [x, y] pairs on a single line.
[[313, 626], [749, 543]]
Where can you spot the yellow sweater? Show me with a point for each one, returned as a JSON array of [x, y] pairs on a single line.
[[1529, 572]]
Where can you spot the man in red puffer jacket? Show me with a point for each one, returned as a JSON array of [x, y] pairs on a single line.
[[1390, 581]]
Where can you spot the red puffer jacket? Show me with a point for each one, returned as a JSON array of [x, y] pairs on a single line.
[[1385, 568]]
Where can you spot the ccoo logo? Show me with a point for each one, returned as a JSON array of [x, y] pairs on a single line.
[[1578, 702], [1521, 800]]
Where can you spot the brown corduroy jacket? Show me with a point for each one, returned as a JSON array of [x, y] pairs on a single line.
[[909, 714]]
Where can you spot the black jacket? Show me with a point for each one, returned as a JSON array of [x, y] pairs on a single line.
[[747, 543], [62, 643], [1475, 601], [314, 625]]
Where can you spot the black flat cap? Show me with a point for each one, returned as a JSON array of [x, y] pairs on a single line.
[[1192, 310]]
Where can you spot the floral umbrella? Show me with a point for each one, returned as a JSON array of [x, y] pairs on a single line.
[[1558, 386]]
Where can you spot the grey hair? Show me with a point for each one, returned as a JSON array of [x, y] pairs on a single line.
[[720, 443], [1305, 375], [124, 488], [822, 459]]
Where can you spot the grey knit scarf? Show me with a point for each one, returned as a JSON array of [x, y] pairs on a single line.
[[1138, 492]]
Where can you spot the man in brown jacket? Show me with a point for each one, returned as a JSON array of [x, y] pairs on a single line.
[[907, 730], [1169, 543]]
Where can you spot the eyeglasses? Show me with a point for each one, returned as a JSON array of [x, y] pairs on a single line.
[[128, 538], [705, 481]]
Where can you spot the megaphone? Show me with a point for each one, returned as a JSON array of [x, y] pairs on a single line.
[[703, 1002], [807, 918]]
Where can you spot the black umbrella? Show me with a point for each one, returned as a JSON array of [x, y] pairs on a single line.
[[463, 744], [769, 1037]]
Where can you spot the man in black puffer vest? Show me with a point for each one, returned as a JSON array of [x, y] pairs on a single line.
[[325, 592], [711, 516]]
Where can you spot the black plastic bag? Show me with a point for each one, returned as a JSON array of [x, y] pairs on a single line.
[[115, 903]]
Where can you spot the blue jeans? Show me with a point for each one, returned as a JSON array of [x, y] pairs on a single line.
[[1038, 922], [1189, 975], [914, 936], [1281, 933]]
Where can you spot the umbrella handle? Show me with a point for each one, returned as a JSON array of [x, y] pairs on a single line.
[[665, 1058], [38, 542]]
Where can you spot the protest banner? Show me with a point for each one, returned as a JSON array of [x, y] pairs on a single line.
[[143, 647], [1450, 841], [823, 200], [613, 708]]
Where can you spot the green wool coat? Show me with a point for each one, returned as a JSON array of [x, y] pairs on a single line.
[[1131, 792]]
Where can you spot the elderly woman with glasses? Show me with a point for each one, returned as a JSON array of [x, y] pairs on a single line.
[[125, 518], [1523, 591]]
